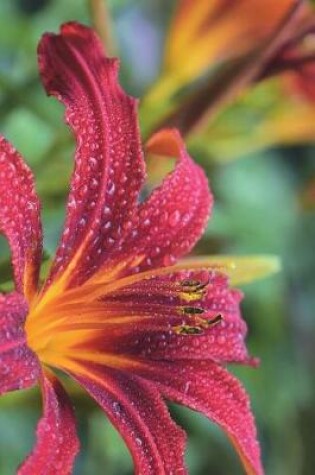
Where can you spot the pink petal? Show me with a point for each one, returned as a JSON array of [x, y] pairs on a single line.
[[173, 218], [135, 408], [109, 166], [19, 366], [155, 308], [208, 388], [57, 443], [20, 217]]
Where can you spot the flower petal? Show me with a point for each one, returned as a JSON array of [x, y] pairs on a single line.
[[57, 443], [208, 388], [19, 366], [20, 218], [135, 408], [159, 319], [109, 166], [173, 218]]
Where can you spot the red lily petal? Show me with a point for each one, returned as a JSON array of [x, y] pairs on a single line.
[[156, 309], [109, 165], [208, 388], [20, 217], [173, 218], [19, 366], [135, 408], [57, 443]]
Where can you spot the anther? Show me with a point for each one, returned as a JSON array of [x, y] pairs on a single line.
[[188, 330], [215, 320], [192, 310], [199, 327], [190, 285]]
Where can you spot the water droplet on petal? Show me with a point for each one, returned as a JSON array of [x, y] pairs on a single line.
[[174, 218], [169, 260], [221, 339], [111, 188]]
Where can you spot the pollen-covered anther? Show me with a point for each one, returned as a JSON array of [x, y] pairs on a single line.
[[198, 325], [191, 310], [192, 290], [188, 330], [214, 321]]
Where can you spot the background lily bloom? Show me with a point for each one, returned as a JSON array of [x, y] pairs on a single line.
[[234, 46], [114, 313], [213, 35], [208, 32]]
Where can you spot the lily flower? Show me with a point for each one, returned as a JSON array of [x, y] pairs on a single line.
[[214, 32], [205, 37], [115, 313], [237, 45], [285, 81]]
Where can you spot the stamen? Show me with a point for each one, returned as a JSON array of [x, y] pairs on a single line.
[[199, 326], [192, 290], [188, 330], [214, 321], [192, 310], [193, 285]]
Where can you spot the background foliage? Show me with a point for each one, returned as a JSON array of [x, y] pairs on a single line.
[[259, 209]]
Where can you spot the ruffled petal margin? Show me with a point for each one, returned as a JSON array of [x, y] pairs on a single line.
[[20, 218], [109, 165], [173, 218], [208, 388], [131, 397], [57, 443], [19, 366], [136, 409]]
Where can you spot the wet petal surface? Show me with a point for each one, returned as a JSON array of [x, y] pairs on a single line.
[[57, 443], [170, 222], [136, 409], [19, 366], [109, 165], [20, 217], [184, 314], [208, 388]]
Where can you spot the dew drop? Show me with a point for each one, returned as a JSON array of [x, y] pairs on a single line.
[[174, 218], [146, 222], [107, 225], [116, 408], [186, 387], [106, 211], [169, 260], [221, 339], [111, 188], [4, 369], [94, 184]]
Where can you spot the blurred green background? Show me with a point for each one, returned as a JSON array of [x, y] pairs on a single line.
[[258, 209]]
